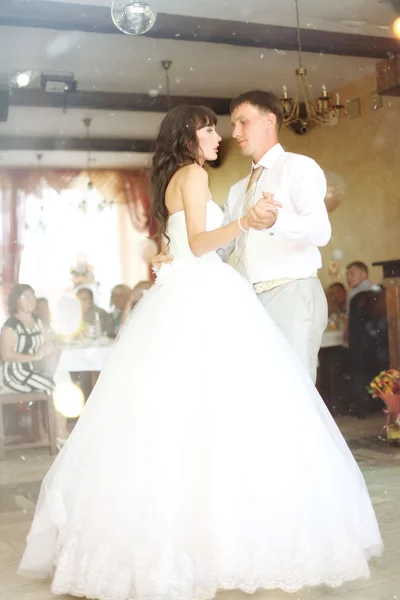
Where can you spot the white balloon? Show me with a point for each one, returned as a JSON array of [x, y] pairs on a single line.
[[335, 191], [67, 315], [337, 254]]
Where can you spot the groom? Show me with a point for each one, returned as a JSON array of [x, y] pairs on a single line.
[[279, 254], [285, 196]]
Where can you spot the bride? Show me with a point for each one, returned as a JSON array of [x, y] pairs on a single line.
[[205, 458]]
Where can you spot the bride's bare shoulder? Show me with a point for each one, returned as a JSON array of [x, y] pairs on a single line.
[[187, 183], [192, 173]]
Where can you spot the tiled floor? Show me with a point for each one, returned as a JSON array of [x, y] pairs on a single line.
[[21, 474]]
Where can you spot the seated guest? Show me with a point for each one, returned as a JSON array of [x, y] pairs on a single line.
[[368, 352], [93, 316], [140, 288], [43, 313], [120, 297], [136, 294], [339, 295], [331, 358], [336, 297], [23, 344], [92, 313], [357, 280], [50, 362]]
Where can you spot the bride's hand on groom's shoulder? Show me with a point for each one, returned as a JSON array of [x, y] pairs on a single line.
[[264, 214]]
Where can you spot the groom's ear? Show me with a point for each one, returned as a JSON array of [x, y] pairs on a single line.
[[271, 120]]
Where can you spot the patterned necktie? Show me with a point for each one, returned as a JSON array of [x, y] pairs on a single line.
[[241, 258]]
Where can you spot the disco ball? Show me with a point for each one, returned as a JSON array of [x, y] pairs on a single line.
[[133, 18]]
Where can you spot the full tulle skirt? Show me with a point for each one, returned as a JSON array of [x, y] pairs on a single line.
[[204, 459]]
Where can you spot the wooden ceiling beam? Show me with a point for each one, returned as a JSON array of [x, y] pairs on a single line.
[[114, 101], [97, 19], [46, 144]]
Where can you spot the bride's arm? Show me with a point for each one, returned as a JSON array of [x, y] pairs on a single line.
[[195, 195]]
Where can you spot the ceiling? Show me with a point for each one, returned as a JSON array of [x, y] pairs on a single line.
[[366, 17], [131, 64]]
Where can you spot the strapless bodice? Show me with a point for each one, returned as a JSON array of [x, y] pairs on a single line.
[[177, 232]]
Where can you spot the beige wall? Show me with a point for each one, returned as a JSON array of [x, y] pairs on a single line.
[[365, 152]]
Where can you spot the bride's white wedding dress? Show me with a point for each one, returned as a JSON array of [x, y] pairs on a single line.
[[204, 458]]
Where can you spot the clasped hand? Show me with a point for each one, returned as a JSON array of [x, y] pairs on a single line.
[[260, 216], [263, 214]]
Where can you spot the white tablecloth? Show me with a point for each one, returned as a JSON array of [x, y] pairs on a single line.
[[81, 358], [332, 338]]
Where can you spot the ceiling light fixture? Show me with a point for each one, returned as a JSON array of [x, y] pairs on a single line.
[[23, 79], [302, 109], [90, 195], [166, 65]]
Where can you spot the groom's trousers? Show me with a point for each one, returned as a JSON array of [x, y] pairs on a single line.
[[299, 308]]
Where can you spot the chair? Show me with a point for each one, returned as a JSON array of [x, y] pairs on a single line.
[[14, 398]]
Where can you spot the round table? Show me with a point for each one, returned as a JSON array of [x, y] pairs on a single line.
[[82, 357], [85, 356]]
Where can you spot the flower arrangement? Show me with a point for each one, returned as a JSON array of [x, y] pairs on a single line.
[[82, 273], [386, 386], [84, 277], [387, 382]]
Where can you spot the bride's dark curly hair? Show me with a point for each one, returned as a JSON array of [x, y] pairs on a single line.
[[176, 147]]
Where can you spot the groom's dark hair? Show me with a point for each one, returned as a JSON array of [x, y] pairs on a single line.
[[263, 100]]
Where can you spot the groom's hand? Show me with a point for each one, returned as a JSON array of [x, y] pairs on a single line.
[[263, 214], [160, 259]]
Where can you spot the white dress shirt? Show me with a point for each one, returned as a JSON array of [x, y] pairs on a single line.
[[288, 249]]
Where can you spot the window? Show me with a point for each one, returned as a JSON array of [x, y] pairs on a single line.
[[58, 232]]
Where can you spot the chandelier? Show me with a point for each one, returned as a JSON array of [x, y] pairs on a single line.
[[302, 109], [90, 195], [35, 220]]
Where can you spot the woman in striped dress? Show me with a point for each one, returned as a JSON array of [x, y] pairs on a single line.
[[23, 344]]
